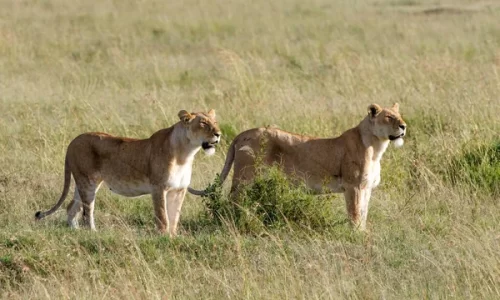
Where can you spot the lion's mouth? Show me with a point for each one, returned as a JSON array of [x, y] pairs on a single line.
[[395, 137], [207, 145]]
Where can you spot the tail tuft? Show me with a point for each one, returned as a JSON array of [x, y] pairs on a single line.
[[38, 215]]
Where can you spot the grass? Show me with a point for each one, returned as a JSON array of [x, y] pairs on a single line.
[[128, 67], [270, 202], [478, 167]]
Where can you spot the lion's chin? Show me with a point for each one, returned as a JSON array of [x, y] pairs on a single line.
[[208, 148], [209, 151], [398, 142]]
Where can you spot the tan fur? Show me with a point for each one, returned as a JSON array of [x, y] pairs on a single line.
[[348, 164], [160, 165]]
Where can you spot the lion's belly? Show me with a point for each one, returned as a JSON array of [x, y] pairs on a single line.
[[327, 185], [180, 176], [129, 188]]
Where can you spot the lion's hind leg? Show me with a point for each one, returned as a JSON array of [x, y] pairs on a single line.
[[244, 173], [87, 190], [74, 208]]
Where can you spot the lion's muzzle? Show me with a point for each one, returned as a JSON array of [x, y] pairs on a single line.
[[402, 133], [207, 145], [395, 137]]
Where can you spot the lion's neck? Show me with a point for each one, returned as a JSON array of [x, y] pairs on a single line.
[[374, 145], [183, 148]]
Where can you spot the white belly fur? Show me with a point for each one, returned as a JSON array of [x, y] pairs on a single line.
[[129, 189], [180, 176]]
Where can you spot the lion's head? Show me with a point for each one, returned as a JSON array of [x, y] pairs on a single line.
[[202, 129], [387, 123]]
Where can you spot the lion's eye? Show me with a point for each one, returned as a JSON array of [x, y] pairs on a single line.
[[389, 118], [205, 125]]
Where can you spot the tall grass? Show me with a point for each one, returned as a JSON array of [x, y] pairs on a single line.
[[128, 67]]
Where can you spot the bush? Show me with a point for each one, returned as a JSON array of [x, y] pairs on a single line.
[[478, 167], [271, 201]]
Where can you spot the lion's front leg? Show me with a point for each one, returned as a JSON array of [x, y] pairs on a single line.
[[354, 202], [366, 194], [175, 198], [159, 204]]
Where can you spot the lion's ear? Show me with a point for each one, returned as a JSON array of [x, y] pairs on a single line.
[[184, 116], [395, 107], [374, 109], [211, 113]]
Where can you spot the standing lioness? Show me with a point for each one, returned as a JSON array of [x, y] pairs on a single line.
[[160, 166], [348, 164]]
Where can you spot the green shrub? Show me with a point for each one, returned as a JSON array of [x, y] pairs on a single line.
[[479, 167], [271, 201]]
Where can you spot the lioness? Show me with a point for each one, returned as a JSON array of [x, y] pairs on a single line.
[[160, 165], [348, 164]]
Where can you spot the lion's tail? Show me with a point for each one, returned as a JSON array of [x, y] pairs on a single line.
[[67, 181], [225, 171]]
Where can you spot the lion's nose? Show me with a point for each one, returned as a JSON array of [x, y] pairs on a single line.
[[402, 126]]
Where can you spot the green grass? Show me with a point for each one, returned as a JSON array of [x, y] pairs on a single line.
[[478, 167], [270, 202], [128, 67]]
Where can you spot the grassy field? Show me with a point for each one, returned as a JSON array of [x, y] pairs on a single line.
[[312, 67]]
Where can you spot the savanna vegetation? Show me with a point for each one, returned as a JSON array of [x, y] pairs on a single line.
[[311, 67]]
